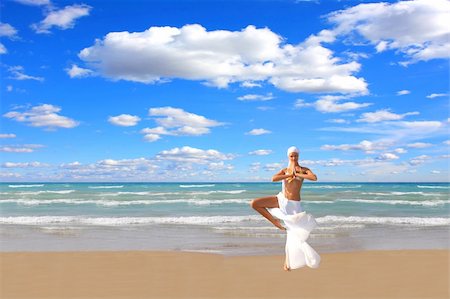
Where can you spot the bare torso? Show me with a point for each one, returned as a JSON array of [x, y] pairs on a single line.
[[292, 188]]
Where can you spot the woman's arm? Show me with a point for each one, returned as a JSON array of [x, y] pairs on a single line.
[[281, 176], [309, 175]]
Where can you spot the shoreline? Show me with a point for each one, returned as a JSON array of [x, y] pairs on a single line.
[[178, 274]]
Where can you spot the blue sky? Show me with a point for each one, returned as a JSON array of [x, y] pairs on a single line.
[[218, 90]]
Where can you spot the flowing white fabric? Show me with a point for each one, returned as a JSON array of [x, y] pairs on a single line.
[[298, 225]]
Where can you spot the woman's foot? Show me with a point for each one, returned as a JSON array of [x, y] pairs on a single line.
[[286, 267], [278, 224]]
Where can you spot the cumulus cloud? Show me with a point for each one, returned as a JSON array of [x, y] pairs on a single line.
[[387, 157], [7, 136], [177, 122], [190, 155], [419, 160], [332, 104], [383, 115], [6, 30], [256, 132], [273, 167], [17, 73], [403, 92], [261, 152], [78, 72], [124, 120], [45, 115], [436, 95], [256, 97], [222, 57], [419, 145], [63, 18], [26, 148], [24, 165], [418, 28], [34, 2], [365, 145]]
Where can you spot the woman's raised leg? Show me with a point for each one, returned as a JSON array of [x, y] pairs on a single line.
[[261, 204]]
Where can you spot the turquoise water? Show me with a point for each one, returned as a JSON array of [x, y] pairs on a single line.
[[216, 217]]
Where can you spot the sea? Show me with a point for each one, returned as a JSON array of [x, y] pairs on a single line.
[[217, 217]]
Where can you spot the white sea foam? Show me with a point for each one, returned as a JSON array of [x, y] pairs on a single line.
[[105, 187], [416, 221], [426, 203], [25, 186], [45, 192], [396, 193], [125, 221], [433, 187], [218, 191], [113, 203], [331, 187], [197, 186]]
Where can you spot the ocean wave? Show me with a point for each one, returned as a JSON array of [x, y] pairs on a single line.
[[105, 187], [197, 186], [397, 193], [114, 203], [125, 221], [416, 221], [218, 191], [331, 187], [426, 203], [433, 187], [138, 193], [43, 192], [25, 186]]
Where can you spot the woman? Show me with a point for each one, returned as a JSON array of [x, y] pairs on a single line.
[[286, 206]]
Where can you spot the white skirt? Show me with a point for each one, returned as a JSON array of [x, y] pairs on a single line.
[[298, 225]]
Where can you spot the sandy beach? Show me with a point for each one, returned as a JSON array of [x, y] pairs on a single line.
[[142, 274]]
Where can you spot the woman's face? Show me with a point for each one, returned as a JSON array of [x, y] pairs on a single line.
[[293, 157]]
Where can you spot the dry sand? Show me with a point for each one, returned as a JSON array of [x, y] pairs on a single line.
[[139, 274]]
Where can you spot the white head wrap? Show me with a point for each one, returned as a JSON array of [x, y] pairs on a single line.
[[292, 149]]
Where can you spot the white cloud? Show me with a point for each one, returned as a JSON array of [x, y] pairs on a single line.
[[400, 150], [273, 167], [387, 157], [192, 155], [9, 175], [45, 115], [17, 73], [403, 92], [34, 2], [261, 152], [382, 115], [124, 120], [365, 145], [63, 19], [26, 148], [177, 122], [331, 104], [436, 95], [7, 30], [419, 145], [256, 97], [435, 172], [418, 28], [78, 72], [250, 84], [419, 160], [3, 49], [7, 136], [338, 121], [256, 132], [220, 58], [447, 142], [300, 103], [24, 165]]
